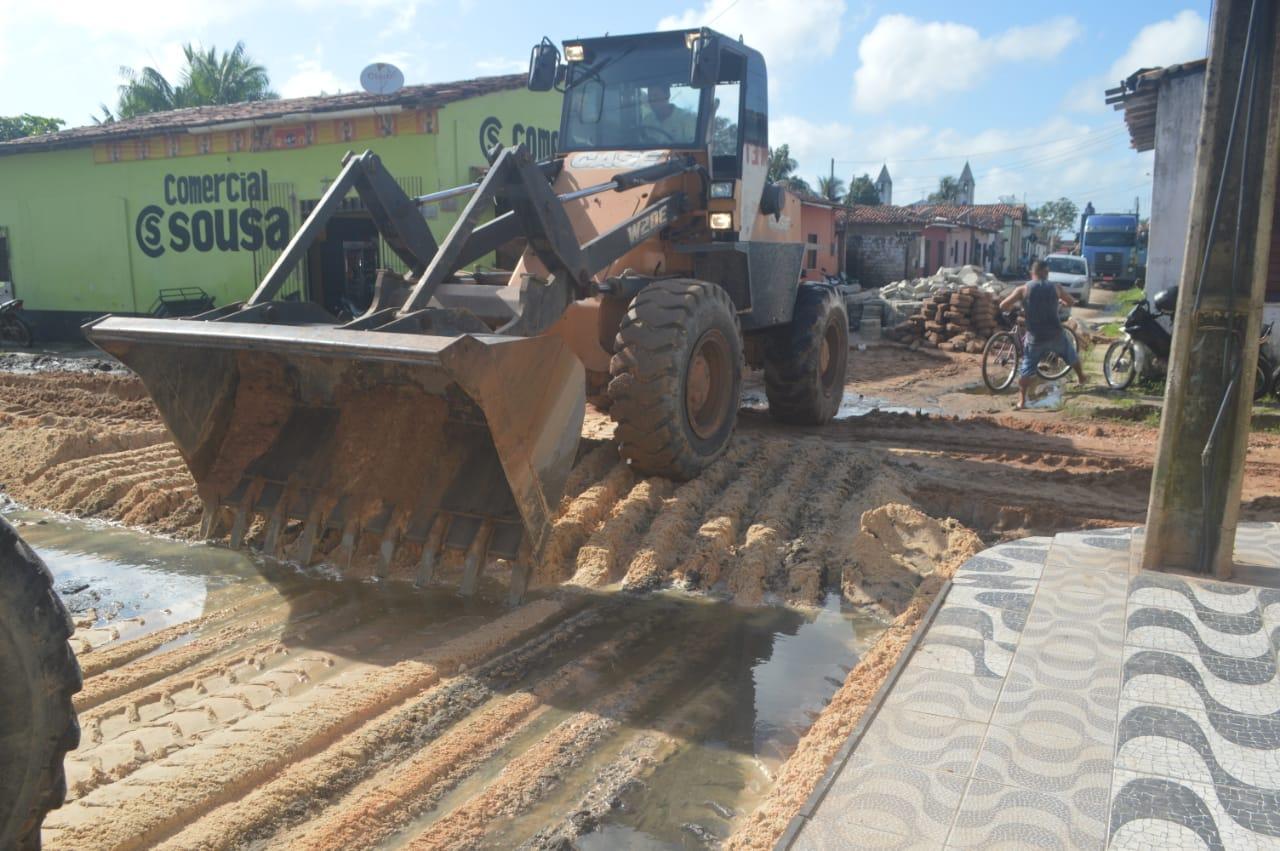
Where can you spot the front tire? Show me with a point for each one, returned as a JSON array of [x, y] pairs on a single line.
[[805, 361], [1120, 364], [38, 676], [676, 378]]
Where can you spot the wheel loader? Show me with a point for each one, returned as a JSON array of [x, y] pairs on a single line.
[[436, 430]]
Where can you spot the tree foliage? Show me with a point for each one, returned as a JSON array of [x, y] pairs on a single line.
[[1057, 216], [862, 191], [782, 168], [948, 191], [19, 126], [208, 78], [831, 188]]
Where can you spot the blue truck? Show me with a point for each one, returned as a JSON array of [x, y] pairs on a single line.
[[1110, 245]]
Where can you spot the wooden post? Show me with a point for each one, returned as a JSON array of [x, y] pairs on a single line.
[[1195, 488]]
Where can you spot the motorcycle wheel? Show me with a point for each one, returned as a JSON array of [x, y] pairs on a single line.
[[14, 330], [1262, 380], [1120, 365]]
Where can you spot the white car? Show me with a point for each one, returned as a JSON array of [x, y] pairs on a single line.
[[1072, 274]]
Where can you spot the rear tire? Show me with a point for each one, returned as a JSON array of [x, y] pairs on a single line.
[[1053, 366], [1120, 364], [38, 676], [676, 378], [805, 361], [1000, 358], [1262, 378]]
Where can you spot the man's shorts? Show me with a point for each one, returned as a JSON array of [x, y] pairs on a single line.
[[1061, 345]]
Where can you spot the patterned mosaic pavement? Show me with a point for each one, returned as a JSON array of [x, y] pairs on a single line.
[[1063, 698]]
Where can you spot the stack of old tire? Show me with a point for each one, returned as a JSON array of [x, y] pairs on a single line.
[[960, 320]]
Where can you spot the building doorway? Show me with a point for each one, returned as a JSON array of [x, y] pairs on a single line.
[[342, 265]]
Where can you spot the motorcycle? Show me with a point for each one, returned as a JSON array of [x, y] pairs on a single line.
[[14, 330], [1144, 349]]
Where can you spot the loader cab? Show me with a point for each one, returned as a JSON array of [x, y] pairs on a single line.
[[686, 90]]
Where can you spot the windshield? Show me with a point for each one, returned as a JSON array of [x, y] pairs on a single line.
[[631, 97], [1108, 239], [1066, 265]]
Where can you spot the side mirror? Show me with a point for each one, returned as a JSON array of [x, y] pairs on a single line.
[[544, 64], [705, 70], [772, 200]]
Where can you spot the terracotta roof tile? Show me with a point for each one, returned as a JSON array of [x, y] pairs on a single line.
[[181, 120], [883, 214]]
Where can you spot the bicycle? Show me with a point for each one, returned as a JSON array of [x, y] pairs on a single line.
[[1003, 353]]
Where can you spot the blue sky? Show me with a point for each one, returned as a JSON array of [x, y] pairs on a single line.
[[1016, 88]]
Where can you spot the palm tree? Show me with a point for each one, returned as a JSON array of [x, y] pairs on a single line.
[[831, 188], [782, 170], [230, 78], [207, 79], [781, 165]]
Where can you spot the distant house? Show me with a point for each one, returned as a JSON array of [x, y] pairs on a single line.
[[823, 230], [882, 242], [1003, 237]]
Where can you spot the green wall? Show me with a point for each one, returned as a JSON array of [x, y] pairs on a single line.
[[74, 225]]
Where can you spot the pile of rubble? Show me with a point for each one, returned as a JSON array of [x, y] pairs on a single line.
[[961, 321], [946, 279]]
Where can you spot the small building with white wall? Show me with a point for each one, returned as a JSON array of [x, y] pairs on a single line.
[[1162, 108]]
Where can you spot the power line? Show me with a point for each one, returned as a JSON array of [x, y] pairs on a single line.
[[1110, 134]]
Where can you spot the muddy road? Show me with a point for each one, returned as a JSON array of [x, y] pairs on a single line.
[[241, 704]]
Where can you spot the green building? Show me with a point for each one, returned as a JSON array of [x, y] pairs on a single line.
[[173, 207]]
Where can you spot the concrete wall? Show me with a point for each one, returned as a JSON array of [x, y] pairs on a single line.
[[90, 233], [1178, 108], [878, 256]]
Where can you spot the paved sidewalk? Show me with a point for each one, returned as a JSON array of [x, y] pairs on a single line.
[[1063, 698]]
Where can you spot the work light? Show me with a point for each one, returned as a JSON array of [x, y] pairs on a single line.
[[722, 189]]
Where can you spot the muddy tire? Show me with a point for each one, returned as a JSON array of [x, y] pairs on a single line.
[[15, 331], [805, 362], [38, 676], [676, 377]]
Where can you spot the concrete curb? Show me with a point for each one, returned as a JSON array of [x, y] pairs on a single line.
[[802, 817]]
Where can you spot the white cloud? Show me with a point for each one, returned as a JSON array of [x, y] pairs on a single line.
[[501, 65], [782, 30], [1182, 37], [311, 78], [905, 59], [143, 18], [1178, 39]]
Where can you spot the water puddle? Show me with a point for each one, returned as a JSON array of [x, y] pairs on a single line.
[[853, 405]]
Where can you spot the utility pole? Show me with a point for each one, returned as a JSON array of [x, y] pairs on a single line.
[[1195, 488]]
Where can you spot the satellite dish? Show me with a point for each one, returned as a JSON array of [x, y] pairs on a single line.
[[381, 78]]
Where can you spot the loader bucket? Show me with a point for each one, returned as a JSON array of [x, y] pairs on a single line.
[[377, 443]]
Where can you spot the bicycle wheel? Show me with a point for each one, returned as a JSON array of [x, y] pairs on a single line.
[[14, 331], [1120, 365], [1000, 361], [1053, 366]]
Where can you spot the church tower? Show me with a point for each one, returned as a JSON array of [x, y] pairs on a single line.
[[884, 186], [966, 185]]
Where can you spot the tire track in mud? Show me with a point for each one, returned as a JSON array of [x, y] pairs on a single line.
[[598, 560], [384, 803], [532, 775], [660, 549], [763, 545], [713, 543], [234, 760], [287, 801]]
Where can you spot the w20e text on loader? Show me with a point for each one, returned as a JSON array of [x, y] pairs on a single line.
[[657, 260]]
